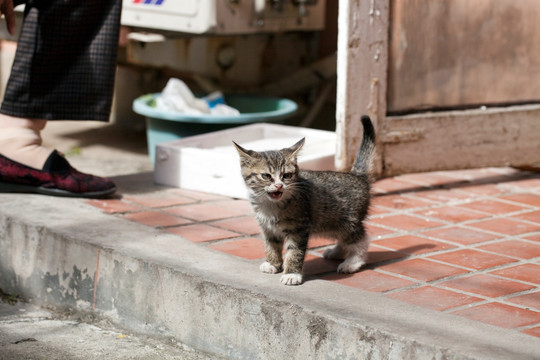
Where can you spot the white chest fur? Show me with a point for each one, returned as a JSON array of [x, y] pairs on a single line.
[[267, 214]]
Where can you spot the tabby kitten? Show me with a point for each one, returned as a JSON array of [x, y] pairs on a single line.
[[292, 204]]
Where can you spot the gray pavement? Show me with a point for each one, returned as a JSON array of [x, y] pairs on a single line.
[[158, 284], [31, 332], [100, 148]]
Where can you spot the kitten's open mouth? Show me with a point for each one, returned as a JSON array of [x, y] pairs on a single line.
[[275, 195]]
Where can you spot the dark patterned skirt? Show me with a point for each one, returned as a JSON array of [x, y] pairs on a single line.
[[65, 62]]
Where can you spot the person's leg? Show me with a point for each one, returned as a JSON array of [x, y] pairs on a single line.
[[65, 62], [63, 70], [20, 140]]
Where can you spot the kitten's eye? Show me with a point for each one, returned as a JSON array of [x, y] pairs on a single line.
[[266, 176], [287, 176]]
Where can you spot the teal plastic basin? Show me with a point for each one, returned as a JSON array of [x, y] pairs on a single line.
[[163, 126]]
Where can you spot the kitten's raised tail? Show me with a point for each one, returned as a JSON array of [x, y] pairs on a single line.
[[362, 161]]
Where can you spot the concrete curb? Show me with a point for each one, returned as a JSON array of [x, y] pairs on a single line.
[[71, 254]]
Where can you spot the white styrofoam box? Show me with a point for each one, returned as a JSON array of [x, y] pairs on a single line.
[[210, 163]]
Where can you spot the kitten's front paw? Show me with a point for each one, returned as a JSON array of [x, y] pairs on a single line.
[[350, 266], [268, 268], [291, 279]]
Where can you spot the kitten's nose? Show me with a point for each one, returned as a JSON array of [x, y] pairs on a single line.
[[278, 186]]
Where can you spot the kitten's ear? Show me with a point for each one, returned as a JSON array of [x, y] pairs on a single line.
[[293, 150], [250, 154]]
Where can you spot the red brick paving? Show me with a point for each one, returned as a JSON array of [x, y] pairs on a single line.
[[493, 206], [533, 331], [250, 248], [201, 232], [514, 248], [238, 205], [528, 199], [405, 222], [526, 272], [532, 216], [533, 237], [378, 255], [506, 226], [460, 235], [203, 212], [486, 285], [370, 280], [317, 265], [442, 195], [160, 201], [411, 244], [244, 224], [482, 190], [463, 242], [425, 296], [506, 316], [391, 185], [114, 206], [531, 300], [156, 219], [398, 202], [452, 214], [318, 241], [473, 259], [377, 231], [422, 269]]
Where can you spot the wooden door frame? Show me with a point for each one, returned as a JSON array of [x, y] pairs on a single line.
[[419, 142], [362, 64]]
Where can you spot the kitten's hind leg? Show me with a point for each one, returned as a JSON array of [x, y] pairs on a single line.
[[356, 256], [335, 253]]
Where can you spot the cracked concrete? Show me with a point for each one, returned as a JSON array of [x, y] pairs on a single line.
[[31, 332]]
